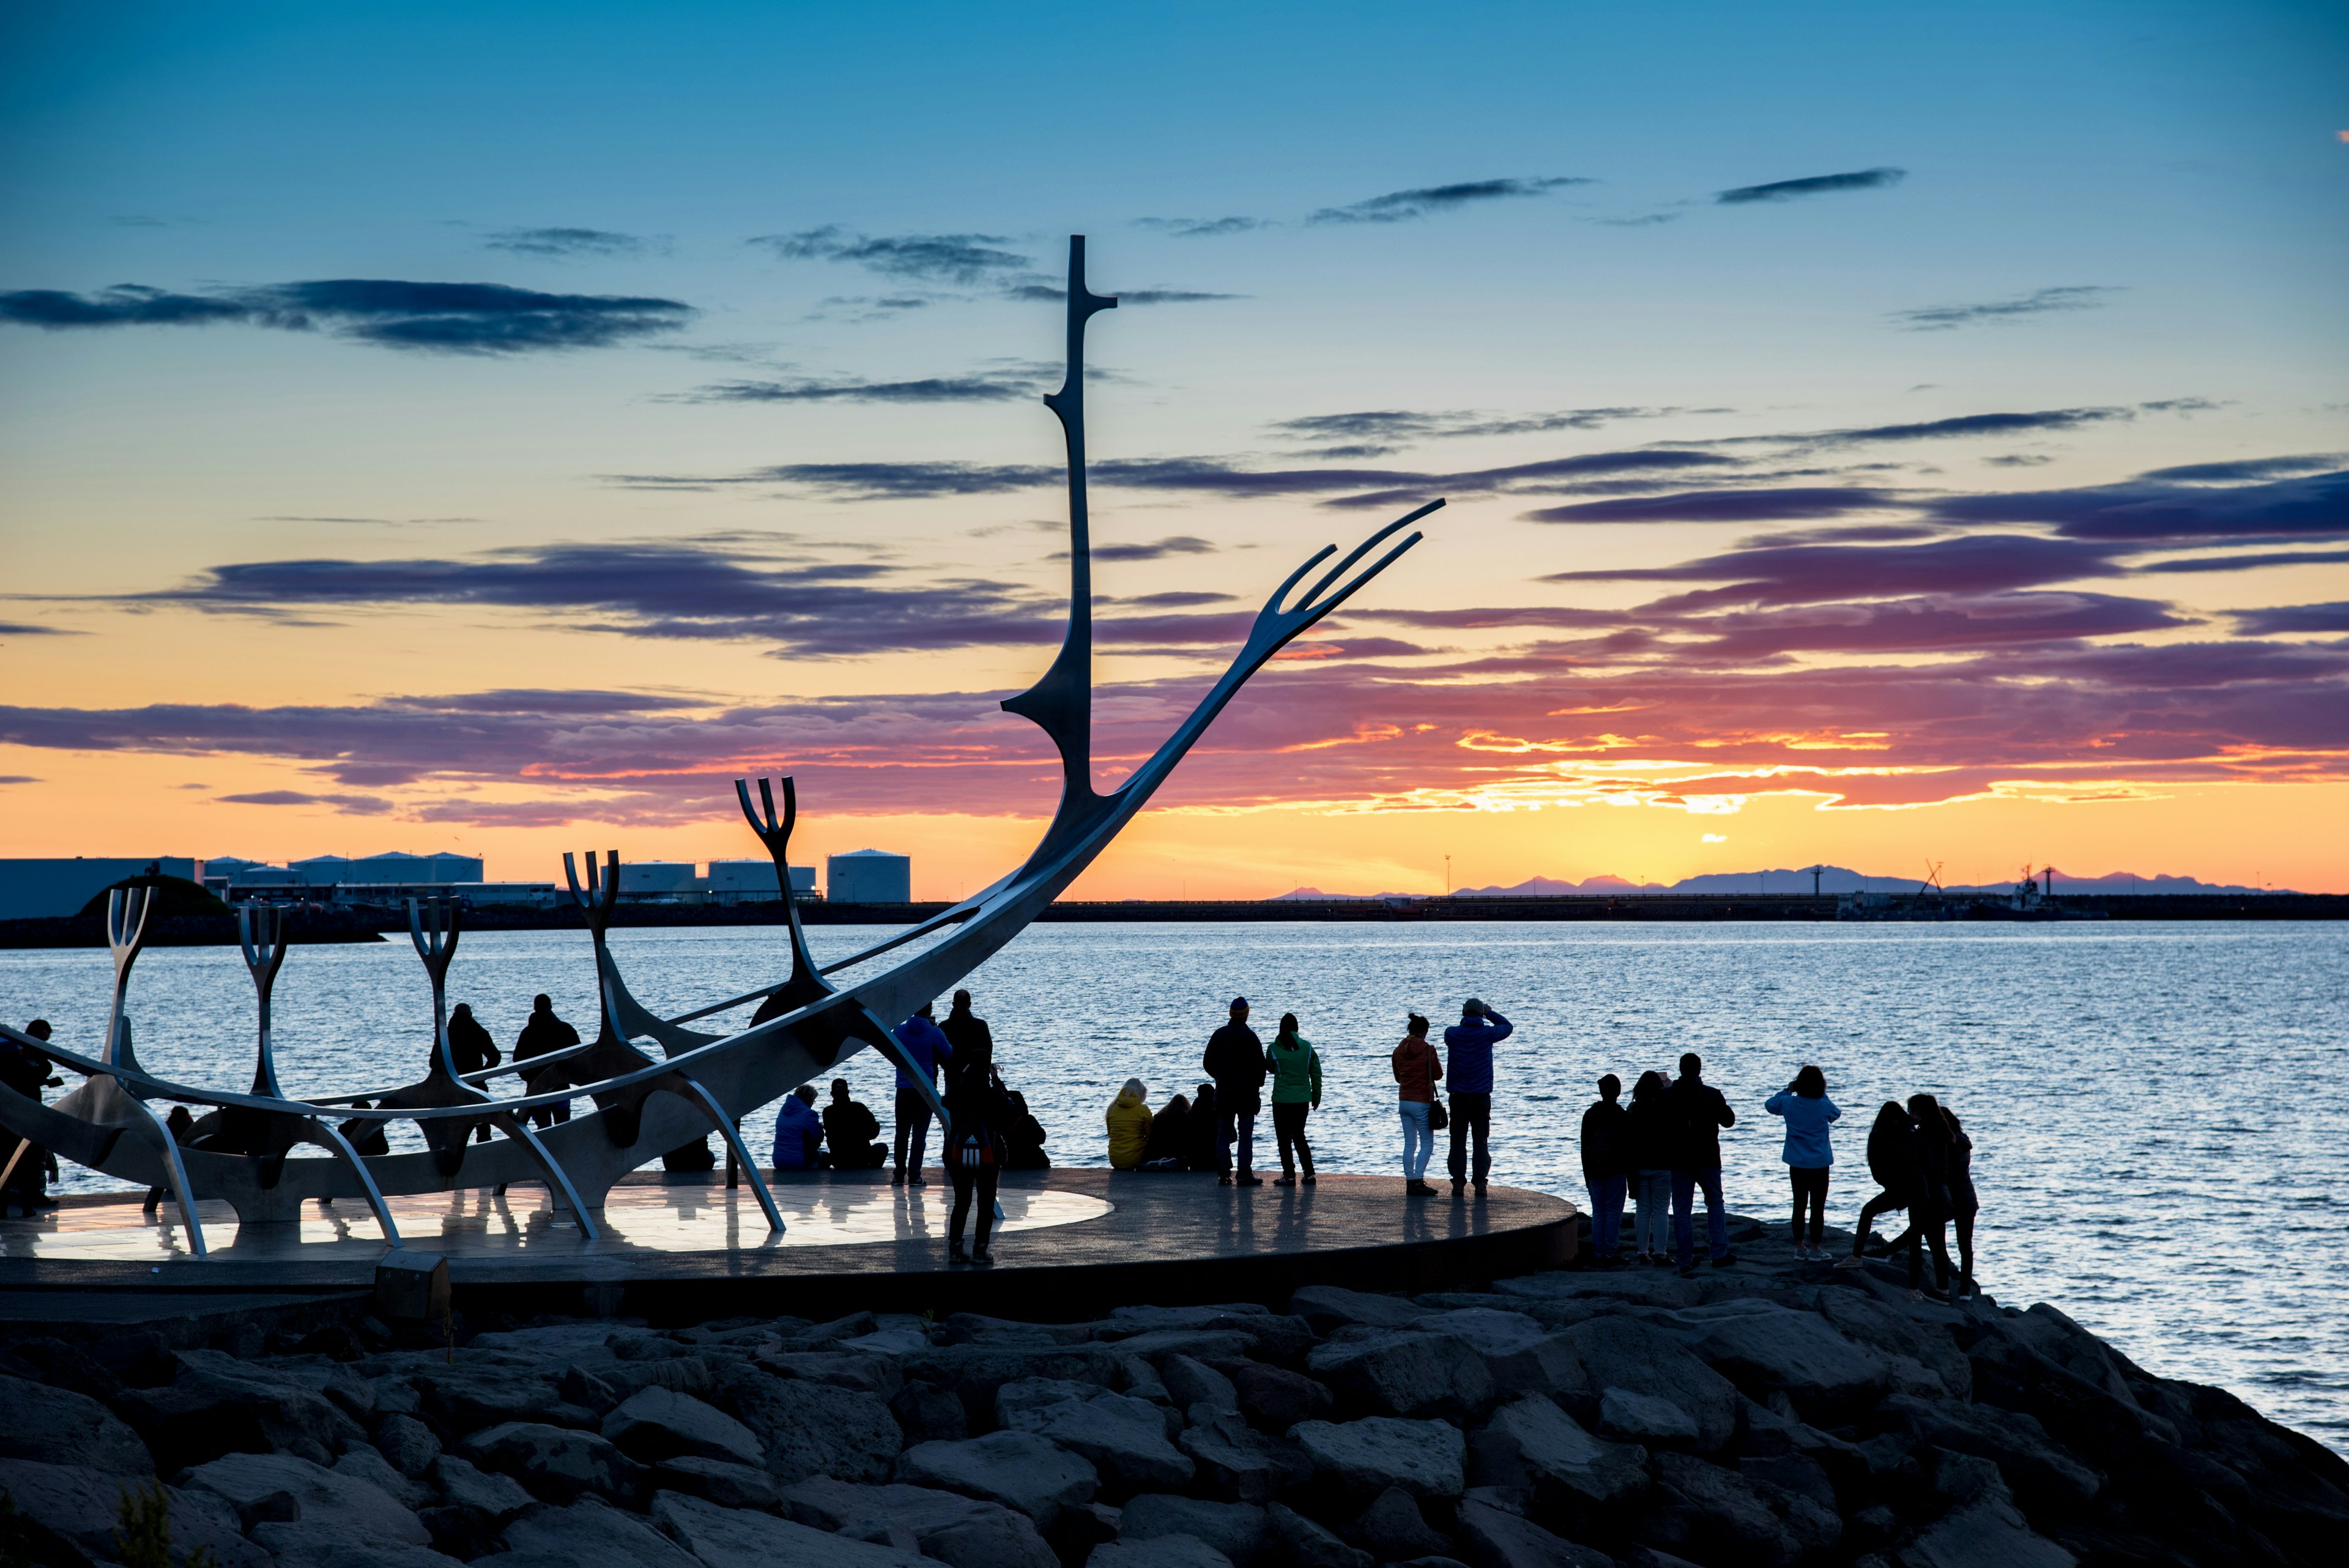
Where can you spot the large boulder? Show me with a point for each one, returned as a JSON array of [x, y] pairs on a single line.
[[972, 1372], [361, 1461], [1329, 1308], [1495, 1538], [248, 1480], [742, 1538], [658, 1424], [488, 1499], [1766, 1349], [1904, 1343], [1238, 1464], [1713, 1513], [467, 1397], [812, 1429], [70, 1513], [1158, 1552], [1522, 1353], [1189, 1381], [2042, 1475], [1018, 1469], [1033, 1393], [555, 1463], [407, 1444], [1123, 1437], [1622, 1353], [1532, 1444], [1300, 1542], [1402, 1372], [1395, 1529], [1274, 1399], [215, 1404], [591, 1533], [726, 1484], [1359, 1459], [337, 1544], [45, 1423], [958, 1531], [1237, 1529], [1982, 1533], [1645, 1418]]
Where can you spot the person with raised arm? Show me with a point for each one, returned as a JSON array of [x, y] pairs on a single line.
[[1809, 1153], [1468, 1053]]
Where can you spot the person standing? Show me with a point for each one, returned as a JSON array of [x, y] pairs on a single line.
[[1416, 1069], [28, 1070], [965, 1029], [1964, 1204], [926, 1045], [542, 1034], [1698, 1113], [1650, 1156], [1296, 1070], [1468, 1051], [1931, 1212], [1605, 1164], [1234, 1060], [799, 1132], [1809, 1152], [975, 1116], [472, 1050], [1892, 1161], [1128, 1117]]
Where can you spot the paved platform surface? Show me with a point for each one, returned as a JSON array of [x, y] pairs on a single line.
[[1082, 1234]]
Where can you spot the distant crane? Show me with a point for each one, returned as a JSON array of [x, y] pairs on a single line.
[[1932, 879], [1814, 871]]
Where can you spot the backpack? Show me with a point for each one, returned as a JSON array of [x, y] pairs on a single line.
[[974, 1152]]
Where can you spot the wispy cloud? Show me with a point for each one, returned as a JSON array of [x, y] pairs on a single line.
[[1202, 228], [1402, 206], [567, 243], [2286, 620], [1814, 186], [449, 318], [349, 805], [2040, 302], [948, 258], [926, 390], [1757, 505]]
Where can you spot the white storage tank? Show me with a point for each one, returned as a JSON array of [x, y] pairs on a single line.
[[868, 877]]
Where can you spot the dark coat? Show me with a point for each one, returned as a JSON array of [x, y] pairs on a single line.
[[1234, 1060], [1698, 1113], [543, 1032], [470, 1044], [1650, 1131], [1199, 1137], [966, 1031], [1606, 1140], [1892, 1156]]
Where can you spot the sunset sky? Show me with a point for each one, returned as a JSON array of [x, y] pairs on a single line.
[[1877, 435]]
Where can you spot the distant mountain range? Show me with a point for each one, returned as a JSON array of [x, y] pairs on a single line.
[[1790, 879]]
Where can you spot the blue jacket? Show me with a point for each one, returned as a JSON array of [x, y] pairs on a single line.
[[927, 1043], [798, 1129], [1809, 1147], [1468, 1053]]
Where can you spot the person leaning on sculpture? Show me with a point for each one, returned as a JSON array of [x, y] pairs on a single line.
[[472, 1049], [27, 1070], [1234, 1060], [798, 1131], [850, 1127], [542, 1034]]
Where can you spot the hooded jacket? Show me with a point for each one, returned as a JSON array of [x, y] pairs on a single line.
[[1129, 1129], [1700, 1113], [1468, 1049], [1296, 1070], [798, 1131], [1606, 1140], [1649, 1129], [928, 1046], [1892, 1154], [1416, 1068]]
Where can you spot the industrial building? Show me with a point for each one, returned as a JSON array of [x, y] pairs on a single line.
[[754, 882], [43, 889], [868, 877]]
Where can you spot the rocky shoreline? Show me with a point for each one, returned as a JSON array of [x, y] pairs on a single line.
[[1767, 1413]]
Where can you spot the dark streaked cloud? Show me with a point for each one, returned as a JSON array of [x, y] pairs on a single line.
[[566, 243], [1814, 185], [1159, 550], [1721, 507], [18, 779], [2285, 619], [1372, 432], [949, 258], [1962, 425], [26, 629], [1401, 207], [453, 317], [2150, 511], [1042, 292], [2040, 302], [1202, 228], [351, 805], [1811, 574], [2250, 561], [2236, 470], [927, 389]]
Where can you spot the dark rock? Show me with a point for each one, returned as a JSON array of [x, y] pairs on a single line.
[[1032, 1393], [875, 1375], [494, 1498], [1018, 1469], [1274, 1399], [1765, 1348], [555, 1463], [63, 1365], [246, 1481], [961, 1532], [1493, 1538], [2043, 1476], [466, 1398], [362, 1461], [1899, 1338], [1402, 1372], [583, 1389], [1869, 1528], [657, 1424], [1297, 1540], [143, 1359], [407, 1444], [1985, 1534], [810, 1428], [973, 1372], [45, 1422], [591, 1533], [1237, 1529], [1123, 1437], [1713, 1513], [1081, 1529], [215, 1405], [1238, 1464], [726, 1484], [336, 1342], [976, 1328], [742, 1538], [1646, 1419], [69, 1513], [1522, 1354], [928, 1414], [336, 1543], [1394, 1529], [1359, 1459], [1158, 1552], [1618, 1353], [1328, 1308], [1797, 1473], [1204, 1343], [1532, 1445], [1189, 1381]]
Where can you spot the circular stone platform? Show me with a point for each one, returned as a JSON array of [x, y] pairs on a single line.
[[1069, 1240]]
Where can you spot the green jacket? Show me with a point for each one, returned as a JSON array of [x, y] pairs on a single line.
[[1296, 1072]]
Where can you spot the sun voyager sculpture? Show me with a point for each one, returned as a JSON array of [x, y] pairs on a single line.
[[654, 1083]]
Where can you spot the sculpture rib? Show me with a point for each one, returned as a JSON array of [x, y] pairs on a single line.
[[806, 1025]]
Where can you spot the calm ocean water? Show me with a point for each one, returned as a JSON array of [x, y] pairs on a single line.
[[2160, 1113]]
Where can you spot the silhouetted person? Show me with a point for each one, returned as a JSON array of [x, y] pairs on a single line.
[[542, 1034], [1468, 1070], [1416, 1069], [1170, 1133], [1964, 1204], [966, 1031], [365, 1135], [472, 1049], [1296, 1071], [1024, 1135], [1653, 1135], [799, 1133], [1234, 1060], [1698, 1113], [1931, 1211], [691, 1157], [27, 1069], [182, 1128], [1128, 1120], [1809, 1152], [928, 1046], [1203, 1140], [1606, 1168], [1892, 1161], [975, 1114], [850, 1127]]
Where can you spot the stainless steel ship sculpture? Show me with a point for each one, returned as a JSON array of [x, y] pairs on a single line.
[[654, 1082]]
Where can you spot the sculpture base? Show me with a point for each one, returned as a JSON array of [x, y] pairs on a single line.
[[1073, 1242]]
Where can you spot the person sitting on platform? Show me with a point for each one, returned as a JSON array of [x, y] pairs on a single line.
[[470, 1047], [27, 1070], [1199, 1139], [1128, 1125], [798, 1130], [1170, 1132], [542, 1034], [691, 1157], [1023, 1137], [366, 1135], [850, 1127]]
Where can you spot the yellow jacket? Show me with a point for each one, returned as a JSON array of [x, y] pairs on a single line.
[[1129, 1129]]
